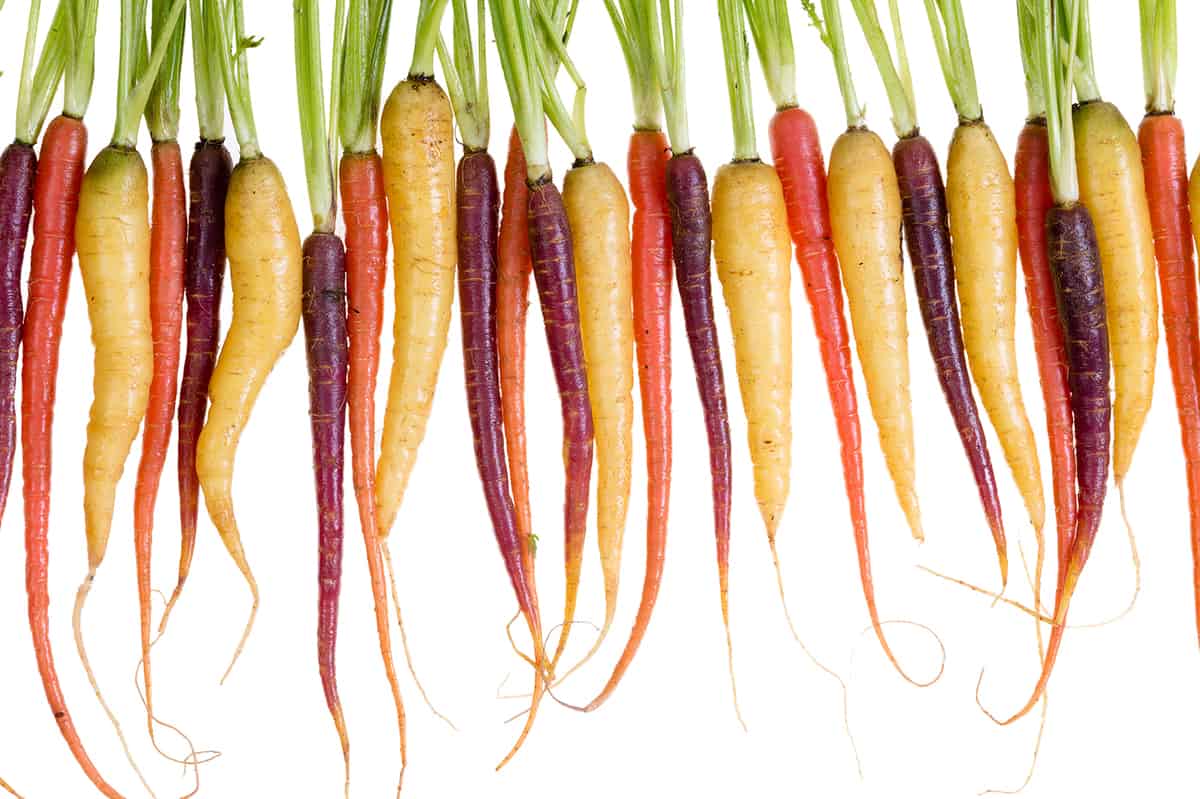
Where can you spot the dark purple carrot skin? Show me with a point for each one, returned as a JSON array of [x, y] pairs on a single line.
[[18, 168], [554, 273], [691, 236], [208, 179], [478, 232], [1079, 286], [328, 351], [928, 235]]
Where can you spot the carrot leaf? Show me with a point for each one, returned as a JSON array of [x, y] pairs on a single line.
[[466, 76], [367, 25], [133, 89], [954, 54], [310, 91], [40, 77], [227, 21], [897, 80], [1160, 53], [772, 32], [737, 76], [666, 49], [513, 28], [631, 21], [1058, 24], [429, 21], [547, 58], [833, 37], [162, 110], [1027, 27]]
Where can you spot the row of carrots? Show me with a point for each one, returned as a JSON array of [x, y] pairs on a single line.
[[1091, 209]]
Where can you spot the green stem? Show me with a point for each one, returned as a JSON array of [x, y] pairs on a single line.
[[899, 89], [38, 88], [206, 69], [1160, 54], [632, 23], [25, 89], [514, 42], [1086, 86], [367, 24], [81, 56], [310, 90], [737, 77], [954, 54], [429, 21], [772, 32], [228, 22], [666, 52], [133, 96], [466, 80], [834, 38], [569, 124], [162, 110], [1027, 26], [1057, 81]]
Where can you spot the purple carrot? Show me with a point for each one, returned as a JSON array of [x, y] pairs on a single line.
[[928, 235], [478, 230], [328, 350], [554, 272], [205, 273], [18, 168]]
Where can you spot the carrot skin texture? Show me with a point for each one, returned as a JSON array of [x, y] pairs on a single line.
[[983, 228], [928, 236], [418, 171], [512, 305], [168, 237], [865, 220], [18, 170], [56, 199], [1033, 201], [204, 277], [1113, 187], [598, 214], [753, 255], [550, 246], [651, 251], [327, 349], [691, 239]]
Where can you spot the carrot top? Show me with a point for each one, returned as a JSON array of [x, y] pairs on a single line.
[[429, 21], [466, 76], [1056, 24], [206, 72], [1030, 36], [737, 76], [666, 48], [367, 25], [772, 31], [316, 129], [133, 89], [632, 21], [954, 54], [162, 109], [897, 79], [553, 27], [832, 36], [1160, 54], [227, 22], [40, 76], [1077, 38], [513, 25]]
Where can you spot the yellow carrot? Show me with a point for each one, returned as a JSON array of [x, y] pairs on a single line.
[[1112, 186], [418, 173], [753, 252], [983, 224], [865, 213], [263, 246], [598, 213]]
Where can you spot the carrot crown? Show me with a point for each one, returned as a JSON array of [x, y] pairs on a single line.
[[466, 77], [666, 49], [39, 84], [1160, 54], [772, 31], [1056, 25], [897, 79], [227, 21], [1027, 27], [162, 110], [737, 77], [832, 36], [367, 24], [310, 90], [133, 89], [954, 55], [429, 21], [632, 21]]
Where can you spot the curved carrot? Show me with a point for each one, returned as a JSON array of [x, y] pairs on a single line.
[[168, 233], [18, 166], [56, 198], [512, 304], [364, 209], [204, 278]]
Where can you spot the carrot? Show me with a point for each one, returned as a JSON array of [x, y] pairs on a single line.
[[1108, 149], [204, 278], [323, 282], [927, 234], [55, 201], [550, 247], [263, 246], [418, 173], [1074, 258], [168, 243], [983, 229], [364, 210]]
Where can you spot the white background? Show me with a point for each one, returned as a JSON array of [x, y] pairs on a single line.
[[1124, 698]]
